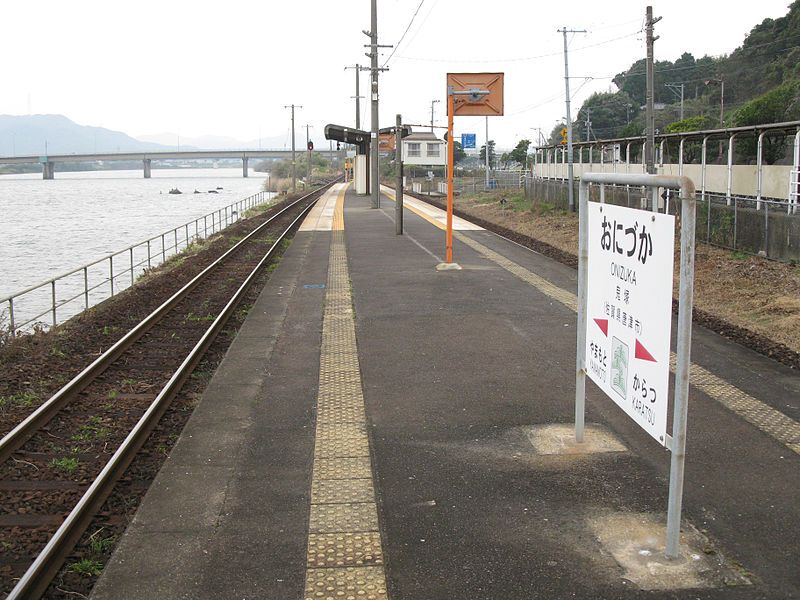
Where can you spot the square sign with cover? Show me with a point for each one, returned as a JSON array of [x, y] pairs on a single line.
[[478, 94]]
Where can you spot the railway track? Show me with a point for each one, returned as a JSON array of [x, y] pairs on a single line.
[[59, 465]]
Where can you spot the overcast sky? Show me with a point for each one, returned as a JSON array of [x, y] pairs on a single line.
[[228, 68]]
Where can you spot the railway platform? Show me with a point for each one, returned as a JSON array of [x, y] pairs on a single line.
[[383, 429]]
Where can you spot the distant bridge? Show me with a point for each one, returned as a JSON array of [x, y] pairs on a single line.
[[48, 162]]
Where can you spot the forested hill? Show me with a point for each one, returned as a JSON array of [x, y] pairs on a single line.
[[766, 63]]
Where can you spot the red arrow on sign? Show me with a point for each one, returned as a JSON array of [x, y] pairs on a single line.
[[641, 353], [603, 325]]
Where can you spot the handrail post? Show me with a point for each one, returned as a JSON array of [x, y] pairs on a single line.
[[131, 254], [759, 168], [86, 287], [111, 272], [148, 254], [11, 314], [163, 249], [729, 187], [53, 299]]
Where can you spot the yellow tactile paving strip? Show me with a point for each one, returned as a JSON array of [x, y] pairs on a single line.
[[772, 422], [345, 557]]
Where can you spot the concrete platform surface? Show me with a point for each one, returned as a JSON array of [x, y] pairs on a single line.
[[383, 429]]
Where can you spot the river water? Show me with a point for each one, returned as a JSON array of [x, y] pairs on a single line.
[[50, 227]]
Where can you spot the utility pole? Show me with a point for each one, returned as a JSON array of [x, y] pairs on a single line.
[[649, 147], [358, 96], [432, 103], [308, 157], [674, 87], [398, 189], [588, 123], [373, 56], [570, 171], [294, 171]]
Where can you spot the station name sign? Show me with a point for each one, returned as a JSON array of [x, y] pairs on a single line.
[[629, 310]]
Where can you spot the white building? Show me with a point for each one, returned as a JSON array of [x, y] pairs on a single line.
[[424, 149]]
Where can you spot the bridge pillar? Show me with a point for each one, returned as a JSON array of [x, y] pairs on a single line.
[[147, 162], [48, 170], [244, 167]]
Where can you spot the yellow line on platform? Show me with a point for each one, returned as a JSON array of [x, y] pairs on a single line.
[[345, 555]]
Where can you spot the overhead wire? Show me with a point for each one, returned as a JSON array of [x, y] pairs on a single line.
[[519, 59], [402, 37]]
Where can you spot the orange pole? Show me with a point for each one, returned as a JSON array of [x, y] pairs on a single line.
[[450, 146]]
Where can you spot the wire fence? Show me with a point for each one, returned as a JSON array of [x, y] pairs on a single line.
[[57, 299], [496, 180], [765, 227]]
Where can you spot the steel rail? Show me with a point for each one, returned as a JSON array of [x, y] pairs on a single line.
[[15, 438], [37, 578]]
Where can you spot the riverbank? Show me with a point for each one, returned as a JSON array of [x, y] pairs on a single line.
[[749, 299]]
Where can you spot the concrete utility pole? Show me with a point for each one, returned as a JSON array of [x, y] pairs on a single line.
[[308, 157], [432, 103], [398, 189], [570, 172], [294, 172], [373, 55], [358, 96], [650, 125], [674, 87]]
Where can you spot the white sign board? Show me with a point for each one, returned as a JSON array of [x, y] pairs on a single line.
[[629, 310]]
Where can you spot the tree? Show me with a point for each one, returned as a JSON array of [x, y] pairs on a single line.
[[492, 154], [778, 105], [608, 113], [458, 152], [692, 150], [520, 152]]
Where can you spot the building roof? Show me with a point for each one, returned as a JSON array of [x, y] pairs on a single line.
[[422, 136]]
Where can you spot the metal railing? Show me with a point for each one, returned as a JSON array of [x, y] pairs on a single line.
[[767, 227], [74, 291]]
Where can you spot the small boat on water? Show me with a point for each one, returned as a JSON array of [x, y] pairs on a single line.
[[213, 192], [175, 191]]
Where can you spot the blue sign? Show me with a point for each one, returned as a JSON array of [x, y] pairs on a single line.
[[467, 140]]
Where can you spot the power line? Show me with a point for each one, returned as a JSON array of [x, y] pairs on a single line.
[[520, 59], [402, 37]]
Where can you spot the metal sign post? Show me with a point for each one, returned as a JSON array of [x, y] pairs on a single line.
[[478, 94], [626, 234]]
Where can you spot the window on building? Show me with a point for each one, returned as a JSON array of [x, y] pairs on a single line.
[[433, 149], [414, 149]]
